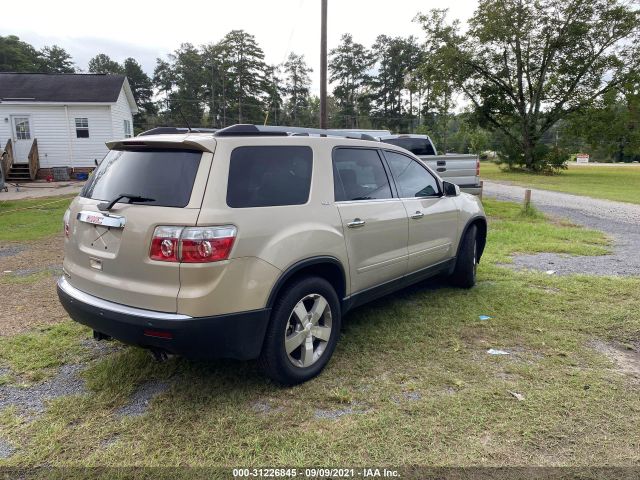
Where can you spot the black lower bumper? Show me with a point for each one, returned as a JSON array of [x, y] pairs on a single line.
[[237, 335]]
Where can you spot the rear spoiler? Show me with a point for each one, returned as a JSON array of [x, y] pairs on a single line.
[[138, 143]]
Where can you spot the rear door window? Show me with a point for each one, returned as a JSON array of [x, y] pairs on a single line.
[[269, 176], [359, 175], [164, 176]]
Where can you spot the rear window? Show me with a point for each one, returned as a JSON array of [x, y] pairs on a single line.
[[417, 146], [166, 176], [269, 176]]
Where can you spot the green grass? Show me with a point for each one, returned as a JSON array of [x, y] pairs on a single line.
[[412, 366], [35, 355], [31, 278], [33, 219], [514, 230], [611, 183]]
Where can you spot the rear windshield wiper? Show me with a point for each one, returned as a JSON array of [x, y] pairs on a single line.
[[106, 206]]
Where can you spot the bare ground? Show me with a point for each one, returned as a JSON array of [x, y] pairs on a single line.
[[28, 274], [626, 358]]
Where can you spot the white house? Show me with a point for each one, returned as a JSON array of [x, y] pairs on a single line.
[[70, 115]]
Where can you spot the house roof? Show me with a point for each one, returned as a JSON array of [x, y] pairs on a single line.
[[69, 87]]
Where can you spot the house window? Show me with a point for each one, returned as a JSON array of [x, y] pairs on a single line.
[[82, 128], [127, 129], [23, 132]]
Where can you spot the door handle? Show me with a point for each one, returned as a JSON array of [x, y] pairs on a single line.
[[356, 223], [417, 215]]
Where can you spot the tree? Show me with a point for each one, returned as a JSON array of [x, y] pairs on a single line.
[[55, 59], [274, 90], [349, 65], [142, 89], [297, 86], [215, 65], [17, 56], [188, 96], [610, 128], [437, 73], [395, 56], [246, 67], [527, 64], [102, 63]]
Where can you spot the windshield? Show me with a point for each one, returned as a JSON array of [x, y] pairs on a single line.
[[166, 176]]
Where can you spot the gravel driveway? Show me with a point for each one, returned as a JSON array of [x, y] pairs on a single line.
[[621, 221]]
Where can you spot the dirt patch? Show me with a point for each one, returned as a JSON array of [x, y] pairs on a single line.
[[412, 396], [265, 407], [141, 398], [109, 441], [28, 292], [353, 409], [6, 449], [627, 359], [32, 255], [32, 399], [11, 250]]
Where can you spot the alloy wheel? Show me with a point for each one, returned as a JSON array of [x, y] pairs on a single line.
[[308, 330]]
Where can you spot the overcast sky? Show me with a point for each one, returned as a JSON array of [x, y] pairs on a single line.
[[146, 30]]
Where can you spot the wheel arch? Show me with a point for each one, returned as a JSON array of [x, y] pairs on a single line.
[[327, 267], [481, 224]]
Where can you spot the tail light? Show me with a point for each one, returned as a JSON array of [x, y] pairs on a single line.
[[192, 244], [477, 167], [206, 244], [165, 242], [65, 222]]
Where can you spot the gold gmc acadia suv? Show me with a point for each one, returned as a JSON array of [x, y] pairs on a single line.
[[254, 242]]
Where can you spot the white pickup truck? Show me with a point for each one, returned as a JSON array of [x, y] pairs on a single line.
[[463, 170]]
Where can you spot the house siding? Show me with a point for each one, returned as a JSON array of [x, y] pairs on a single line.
[[120, 111], [86, 150], [58, 144]]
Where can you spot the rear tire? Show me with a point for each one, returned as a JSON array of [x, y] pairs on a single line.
[[303, 331], [464, 273]]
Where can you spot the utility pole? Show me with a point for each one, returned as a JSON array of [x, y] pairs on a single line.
[[323, 65]]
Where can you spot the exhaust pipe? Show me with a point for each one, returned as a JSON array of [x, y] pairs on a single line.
[[159, 355], [97, 336]]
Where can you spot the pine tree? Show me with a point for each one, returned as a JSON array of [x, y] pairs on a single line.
[[297, 86], [349, 65]]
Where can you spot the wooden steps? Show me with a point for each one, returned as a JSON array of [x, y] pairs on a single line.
[[19, 172]]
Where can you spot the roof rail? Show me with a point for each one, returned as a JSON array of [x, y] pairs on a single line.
[[174, 130], [284, 130]]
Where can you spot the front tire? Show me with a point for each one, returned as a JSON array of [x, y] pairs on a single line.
[[464, 273], [303, 332]]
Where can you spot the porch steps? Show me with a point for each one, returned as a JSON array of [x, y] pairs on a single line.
[[19, 172]]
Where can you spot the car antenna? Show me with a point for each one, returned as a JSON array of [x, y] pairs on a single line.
[[184, 119]]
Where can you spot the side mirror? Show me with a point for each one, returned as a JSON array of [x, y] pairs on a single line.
[[450, 189]]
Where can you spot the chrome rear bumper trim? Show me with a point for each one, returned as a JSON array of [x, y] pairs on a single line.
[[83, 297]]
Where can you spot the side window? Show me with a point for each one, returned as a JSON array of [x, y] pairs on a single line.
[[412, 179], [359, 175], [269, 176]]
